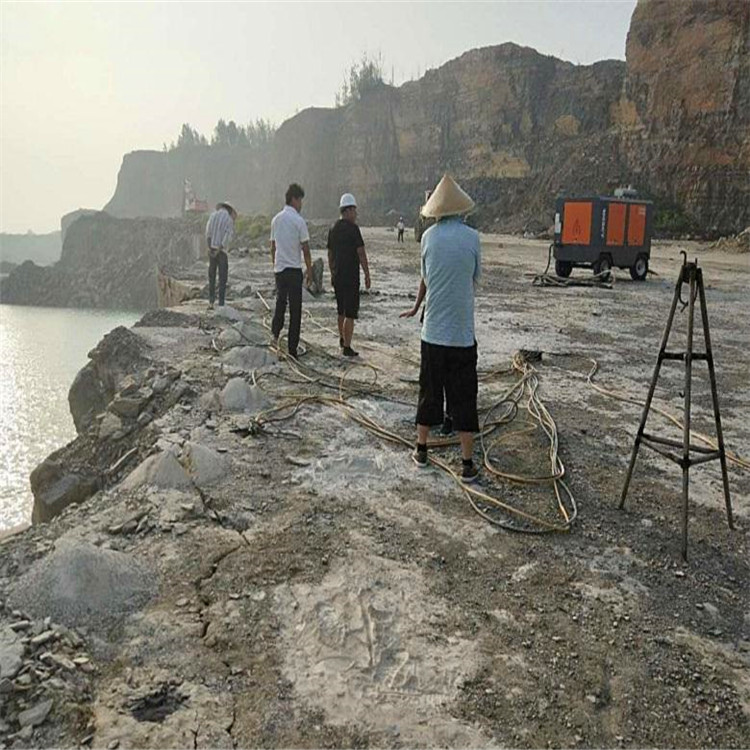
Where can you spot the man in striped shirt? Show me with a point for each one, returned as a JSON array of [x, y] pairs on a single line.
[[219, 230]]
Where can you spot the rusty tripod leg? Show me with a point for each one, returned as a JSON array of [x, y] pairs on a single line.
[[652, 388], [686, 418], [715, 397]]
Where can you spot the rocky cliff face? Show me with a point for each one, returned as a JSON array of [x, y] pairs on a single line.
[[150, 183], [685, 112], [515, 127], [107, 263]]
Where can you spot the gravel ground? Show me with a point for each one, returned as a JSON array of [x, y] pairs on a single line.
[[324, 592]]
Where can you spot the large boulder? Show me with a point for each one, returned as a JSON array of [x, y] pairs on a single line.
[[55, 489], [228, 312], [243, 334], [249, 358], [238, 396], [80, 584], [160, 470], [205, 465], [119, 353], [11, 653]]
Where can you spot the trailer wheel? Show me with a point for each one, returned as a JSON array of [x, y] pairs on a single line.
[[639, 269], [603, 265], [563, 268]]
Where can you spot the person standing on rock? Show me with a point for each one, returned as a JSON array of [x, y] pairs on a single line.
[[290, 242], [400, 227], [346, 252], [451, 267], [219, 231]]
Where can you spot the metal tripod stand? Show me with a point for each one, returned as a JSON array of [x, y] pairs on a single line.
[[691, 275]]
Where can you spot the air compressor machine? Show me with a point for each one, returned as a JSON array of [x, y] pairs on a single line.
[[603, 233]]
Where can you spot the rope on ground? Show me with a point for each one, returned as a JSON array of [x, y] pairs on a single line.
[[525, 387], [603, 280], [620, 396]]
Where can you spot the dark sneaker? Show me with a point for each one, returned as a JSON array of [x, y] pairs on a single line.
[[420, 459], [294, 355], [349, 352], [447, 428], [470, 473]]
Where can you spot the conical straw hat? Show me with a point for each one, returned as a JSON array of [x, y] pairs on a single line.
[[447, 200]]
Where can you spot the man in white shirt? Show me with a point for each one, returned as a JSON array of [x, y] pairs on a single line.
[[290, 241]]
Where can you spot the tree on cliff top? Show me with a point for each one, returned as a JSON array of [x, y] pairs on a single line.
[[362, 78], [254, 135], [189, 138]]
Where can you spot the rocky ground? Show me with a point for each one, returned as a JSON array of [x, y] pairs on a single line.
[[240, 579]]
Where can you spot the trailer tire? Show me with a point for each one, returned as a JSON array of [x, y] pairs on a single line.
[[603, 265], [639, 269], [563, 268]]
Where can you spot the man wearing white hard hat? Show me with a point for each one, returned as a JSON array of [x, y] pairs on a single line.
[[451, 267], [346, 253]]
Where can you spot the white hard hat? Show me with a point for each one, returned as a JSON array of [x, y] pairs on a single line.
[[347, 200]]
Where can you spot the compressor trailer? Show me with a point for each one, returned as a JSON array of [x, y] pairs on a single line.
[[603, 233]]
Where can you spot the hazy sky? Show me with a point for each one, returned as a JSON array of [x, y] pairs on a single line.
[[82, 83]]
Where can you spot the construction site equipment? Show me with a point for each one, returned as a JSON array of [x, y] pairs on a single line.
[[692, 275], [603, 233], [191, 204]]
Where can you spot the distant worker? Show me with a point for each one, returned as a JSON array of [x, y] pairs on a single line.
[[219, 231], [400, 227], [346, 252], [451, 267], [290, 241]]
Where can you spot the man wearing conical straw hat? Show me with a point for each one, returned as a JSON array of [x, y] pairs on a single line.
[[451, 266]]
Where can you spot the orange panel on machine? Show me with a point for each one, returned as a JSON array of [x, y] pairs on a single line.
[[577, 223], [636, 225], [616, 224]]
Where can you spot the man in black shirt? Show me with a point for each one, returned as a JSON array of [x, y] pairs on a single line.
[[346, 252]]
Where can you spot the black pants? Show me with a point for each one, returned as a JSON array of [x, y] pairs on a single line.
[[400, 235], [450, 373], [288, 286], [221, 261]]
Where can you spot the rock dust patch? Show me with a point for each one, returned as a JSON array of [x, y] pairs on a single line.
[[362, 646]]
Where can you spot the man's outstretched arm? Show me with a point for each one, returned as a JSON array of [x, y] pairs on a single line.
[[417, 303]]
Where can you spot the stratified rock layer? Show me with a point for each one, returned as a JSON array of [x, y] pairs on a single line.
[[516, 127]]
